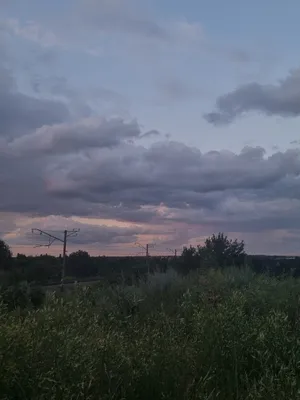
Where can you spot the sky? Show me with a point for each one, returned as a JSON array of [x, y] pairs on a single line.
[[149, 121]]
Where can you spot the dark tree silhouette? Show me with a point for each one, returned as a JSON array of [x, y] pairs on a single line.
[[217, 251], [5, 255], [226, 251], [81, 264], [189, 260]]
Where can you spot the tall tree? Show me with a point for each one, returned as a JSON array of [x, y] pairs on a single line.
[[80, 264], [217, 251], [5, 255], [226, 251]]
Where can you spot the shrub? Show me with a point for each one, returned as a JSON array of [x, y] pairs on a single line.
[[5, 255], [37, 296], [22, 296], [218, 251], [226, 335]]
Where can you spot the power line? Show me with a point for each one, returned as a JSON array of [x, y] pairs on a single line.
[[146, 248], [174, 251], [52, 239]]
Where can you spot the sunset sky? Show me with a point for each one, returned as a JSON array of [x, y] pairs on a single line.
[[153, 121]]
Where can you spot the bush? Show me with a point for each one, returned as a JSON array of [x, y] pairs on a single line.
[[5, 255], [217, 252], [16, 296], [22, 296], [37, 296], [225, 335]]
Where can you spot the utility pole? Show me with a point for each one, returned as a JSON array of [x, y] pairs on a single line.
[[52, 239], [146, 248], [174, 251], [63, 272]]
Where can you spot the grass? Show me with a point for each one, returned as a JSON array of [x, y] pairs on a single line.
[[226, 335]]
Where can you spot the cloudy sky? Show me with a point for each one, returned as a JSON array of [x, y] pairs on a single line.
[[153, 121]]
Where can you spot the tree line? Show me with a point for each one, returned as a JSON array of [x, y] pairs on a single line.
[[218, 251]]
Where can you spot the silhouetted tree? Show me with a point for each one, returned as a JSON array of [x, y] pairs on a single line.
[[225, 251], [189, 260], [81, 265], [5, 255], [217, 251]]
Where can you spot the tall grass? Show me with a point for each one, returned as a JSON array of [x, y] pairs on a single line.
[[227, 335]]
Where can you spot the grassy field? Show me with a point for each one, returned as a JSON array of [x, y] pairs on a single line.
[[230, 335]]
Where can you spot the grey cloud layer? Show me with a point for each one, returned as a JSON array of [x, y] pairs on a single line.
[[74, 137], [54, 164], [281, 99], [20, 113], [172, 173], [119, 15], [59, 86], [245, 192], [88, 234]]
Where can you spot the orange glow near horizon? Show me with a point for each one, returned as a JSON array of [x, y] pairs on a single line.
[[162, 234], [55, 250]]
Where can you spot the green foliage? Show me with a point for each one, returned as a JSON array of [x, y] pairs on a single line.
[[228, 335], [16, 296], [21, 296], [225, 251], [80, 264], [37, 296], [40, 269], [190, 260], [218, 251]]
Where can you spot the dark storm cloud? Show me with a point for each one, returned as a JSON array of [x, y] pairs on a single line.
[[57, 160], [32, 127], [21, 113], [241, 212], [282, 99], [244, 192], [66, 138], [169, 171], [52, 163], [115, 180], [26, 188]]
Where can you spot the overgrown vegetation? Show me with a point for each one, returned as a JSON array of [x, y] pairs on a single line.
[[227, 334], [218, 251], [194, 328]]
